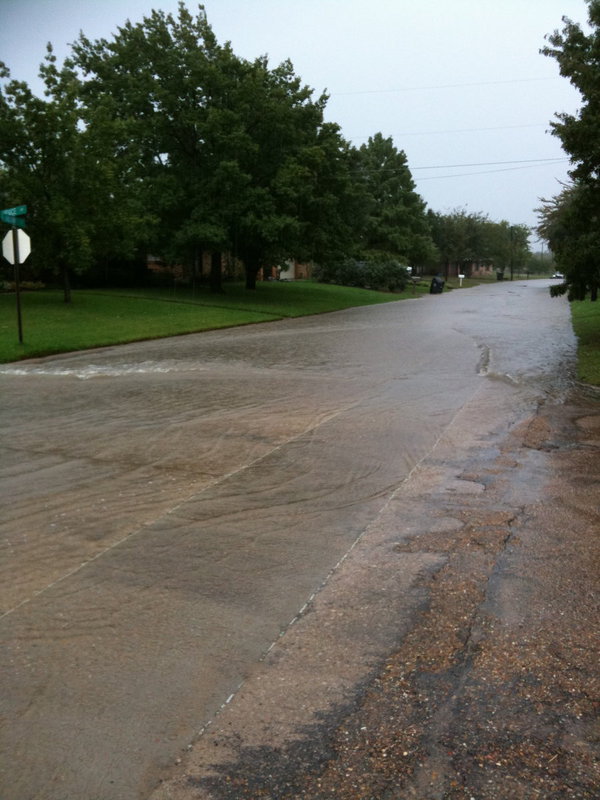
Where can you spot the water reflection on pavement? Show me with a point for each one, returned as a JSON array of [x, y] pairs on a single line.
[[173, 504]]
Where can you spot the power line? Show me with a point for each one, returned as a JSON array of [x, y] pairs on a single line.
[[441, 86], [458, 130], [527, 163], [493, 163], [480, 172]]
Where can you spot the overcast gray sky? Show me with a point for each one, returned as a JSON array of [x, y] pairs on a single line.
[[459, 84]]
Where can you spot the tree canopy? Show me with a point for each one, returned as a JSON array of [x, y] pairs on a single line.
[[233, 155], [570, 221], [567, 223], [396, 222], [162, 140], [464, 238], [64, 172]]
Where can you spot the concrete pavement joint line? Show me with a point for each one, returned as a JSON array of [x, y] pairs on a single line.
[[175, 508], [207, 724], [332, 572]]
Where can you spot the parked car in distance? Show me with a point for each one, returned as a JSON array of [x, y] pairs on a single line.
[[558, 275]]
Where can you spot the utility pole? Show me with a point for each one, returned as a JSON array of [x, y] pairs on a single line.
[[512, 251]]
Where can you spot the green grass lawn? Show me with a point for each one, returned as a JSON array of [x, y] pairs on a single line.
[[586, 324], [99, 318], [278, 298]]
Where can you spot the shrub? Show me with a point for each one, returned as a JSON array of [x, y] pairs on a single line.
[[383, 275]]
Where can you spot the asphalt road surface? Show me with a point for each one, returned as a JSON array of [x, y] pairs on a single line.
[[170, 507]]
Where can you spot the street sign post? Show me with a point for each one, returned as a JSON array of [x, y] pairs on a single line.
[[15, 211], [16, 247], [14, 216]]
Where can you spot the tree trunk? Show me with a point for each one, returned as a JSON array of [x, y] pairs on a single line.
[[194, 271], [215, 273], [66, 285], [251, 265]]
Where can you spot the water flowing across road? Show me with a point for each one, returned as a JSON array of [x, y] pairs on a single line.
[[170, 506]]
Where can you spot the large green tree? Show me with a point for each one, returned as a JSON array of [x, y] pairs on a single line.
[[506, 246], [170, 88], [63, 169], [570, 222], [298, 197], [458, 237], [396, 225], [232, 155]]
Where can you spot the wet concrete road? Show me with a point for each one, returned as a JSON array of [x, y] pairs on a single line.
[[173, 505]]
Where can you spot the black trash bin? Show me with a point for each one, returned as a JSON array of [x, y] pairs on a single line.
[[500, 276], [437, 286]]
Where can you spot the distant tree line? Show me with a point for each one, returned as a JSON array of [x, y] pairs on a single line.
[[471, 238], [163, 141], [570, 222]]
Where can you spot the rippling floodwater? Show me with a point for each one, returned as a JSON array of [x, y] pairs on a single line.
[[170, 505]]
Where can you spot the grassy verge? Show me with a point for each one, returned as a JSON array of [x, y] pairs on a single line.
[[278, 298], [96, 319], [586, 324]]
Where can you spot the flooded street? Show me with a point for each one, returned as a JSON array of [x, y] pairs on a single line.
[[170, 507]]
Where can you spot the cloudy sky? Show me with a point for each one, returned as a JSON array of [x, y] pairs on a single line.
[[459, 84]]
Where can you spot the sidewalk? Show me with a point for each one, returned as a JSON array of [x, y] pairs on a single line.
[[453, 654]]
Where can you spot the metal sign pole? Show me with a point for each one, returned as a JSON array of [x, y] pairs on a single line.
[[15, 218], [17, 285]]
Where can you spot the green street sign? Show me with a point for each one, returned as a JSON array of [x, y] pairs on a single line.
[[19, 222], [17, 211]]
